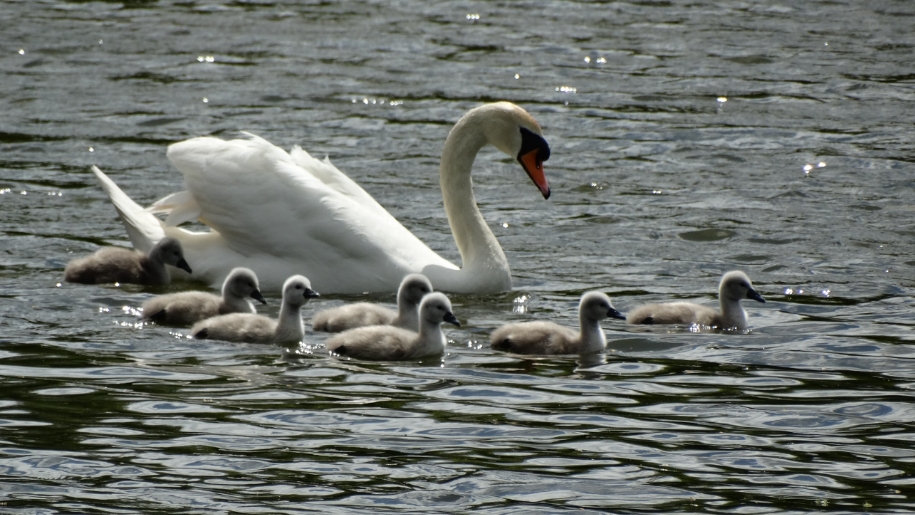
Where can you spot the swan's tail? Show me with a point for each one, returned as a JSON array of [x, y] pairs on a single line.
[[143, 228]]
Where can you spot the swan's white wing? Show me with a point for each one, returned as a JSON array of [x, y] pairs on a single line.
[[180, 206], [330, 175], [263, 203], [142, 227]]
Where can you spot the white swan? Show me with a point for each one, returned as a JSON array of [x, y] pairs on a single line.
[[280, 213], [120, 265], [360, 314], [187, 307], [386, 343], [251, 328], [548, 338], [733, 287]]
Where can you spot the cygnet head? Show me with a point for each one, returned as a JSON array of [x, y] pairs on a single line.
[[413, 288], [297, 291], [170, 252], [514, 131], [736, 286], [436, 308], [596, 306], [242, 282]]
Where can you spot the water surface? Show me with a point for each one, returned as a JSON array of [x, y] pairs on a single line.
[[687, 139]]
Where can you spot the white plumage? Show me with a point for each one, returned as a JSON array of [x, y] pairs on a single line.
[[281, 213]]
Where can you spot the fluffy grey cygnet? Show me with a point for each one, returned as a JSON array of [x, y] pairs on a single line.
[[386, 343], [549, 338], [120, 265], [734, 287], [361, 314], [251, 328], [185, 308]]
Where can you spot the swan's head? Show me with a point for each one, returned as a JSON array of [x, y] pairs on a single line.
[[297, 290], [515, 132], [170, 252], [436, 308], [596, 306], [737, 286], [413, 288], [242, 282]]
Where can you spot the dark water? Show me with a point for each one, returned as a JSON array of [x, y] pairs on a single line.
[[689, 138]]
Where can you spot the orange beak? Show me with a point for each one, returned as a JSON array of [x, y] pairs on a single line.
[[533, 165]]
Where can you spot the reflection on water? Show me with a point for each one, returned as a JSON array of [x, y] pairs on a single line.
[[687, 140]]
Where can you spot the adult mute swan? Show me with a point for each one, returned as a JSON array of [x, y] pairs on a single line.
[[733, 287], [281, 213], [541, 337]]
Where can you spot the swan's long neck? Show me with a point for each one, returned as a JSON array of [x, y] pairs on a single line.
[[234, 304], [154, 266], [407, 315], [482, 256], [289, 327], [592, 336], [431, 338], [732, 314]]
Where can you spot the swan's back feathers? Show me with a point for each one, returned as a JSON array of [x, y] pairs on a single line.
[[236, 327], [536, 337], [321, 227], [143, 229], [180, 206], [331, 176], [377, 343], [107, 265], [181, 309], [683, 313], [350, 316]]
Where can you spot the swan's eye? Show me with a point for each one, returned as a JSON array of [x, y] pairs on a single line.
[[532, 141]]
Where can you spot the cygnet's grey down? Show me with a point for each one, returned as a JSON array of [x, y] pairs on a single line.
[[734, 287], [251, 328], [185, 308], [548, 338], [360, 314], [387, 343], [120, 265]]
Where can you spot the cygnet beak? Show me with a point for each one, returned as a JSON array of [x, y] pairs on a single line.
[[256, 295], [309, 293], [613, 313], [182, 264], [451, 319], [753, 294]]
